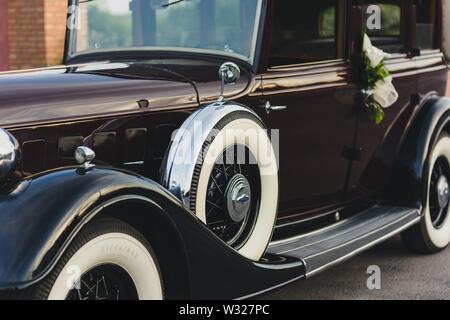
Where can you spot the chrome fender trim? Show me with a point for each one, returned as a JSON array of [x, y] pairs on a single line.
[[186, 145]]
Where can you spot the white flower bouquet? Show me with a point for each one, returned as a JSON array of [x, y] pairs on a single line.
[[377, 81]]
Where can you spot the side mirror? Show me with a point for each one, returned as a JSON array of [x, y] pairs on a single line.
[[446, 29], [229, 73]]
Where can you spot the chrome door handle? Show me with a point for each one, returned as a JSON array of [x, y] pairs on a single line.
[[269, 108]]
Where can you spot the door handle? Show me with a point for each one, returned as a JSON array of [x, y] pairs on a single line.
[[269, 108]]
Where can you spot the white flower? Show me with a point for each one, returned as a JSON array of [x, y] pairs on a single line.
[[384, 93], [374, 54]]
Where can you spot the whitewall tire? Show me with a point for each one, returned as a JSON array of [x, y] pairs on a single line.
[[433, 233], [108, 260], [236, 179]]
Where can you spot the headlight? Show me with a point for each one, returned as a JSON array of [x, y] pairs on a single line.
[[9, 156]]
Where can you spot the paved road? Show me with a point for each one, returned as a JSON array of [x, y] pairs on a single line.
[[404, 275]]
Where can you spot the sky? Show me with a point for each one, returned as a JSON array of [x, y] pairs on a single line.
[[115, 6]]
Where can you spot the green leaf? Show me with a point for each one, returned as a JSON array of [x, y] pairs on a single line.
[[378, 113]]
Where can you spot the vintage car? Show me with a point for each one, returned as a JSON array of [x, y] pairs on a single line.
[[213, 149]]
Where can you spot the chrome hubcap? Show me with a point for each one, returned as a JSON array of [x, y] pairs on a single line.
[[443, 192], [238, 198]]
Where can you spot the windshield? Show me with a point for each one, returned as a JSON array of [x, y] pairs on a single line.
[[226, 26]]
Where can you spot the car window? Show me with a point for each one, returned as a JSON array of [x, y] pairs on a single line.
[[304, 31], [387, 34], [224, 26], [426, 22]]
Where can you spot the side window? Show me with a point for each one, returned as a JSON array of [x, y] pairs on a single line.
[[305, 31], [386, 36], [426, 23]]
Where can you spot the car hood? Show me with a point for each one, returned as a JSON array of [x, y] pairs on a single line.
[[84, 91]]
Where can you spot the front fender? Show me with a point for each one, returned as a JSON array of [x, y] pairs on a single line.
[[409, 185], [42, 215]]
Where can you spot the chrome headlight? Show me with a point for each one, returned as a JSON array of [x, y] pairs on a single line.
[[9, 156]]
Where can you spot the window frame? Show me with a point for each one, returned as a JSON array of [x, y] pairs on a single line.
[[70, 38], [342, 48], [437, 29]]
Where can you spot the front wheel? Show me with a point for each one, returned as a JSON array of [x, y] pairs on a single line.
[[108, 260], [433, 233]]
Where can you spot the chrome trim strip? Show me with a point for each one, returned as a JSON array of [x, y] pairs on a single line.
[[133, 163], [316, 217], [256, 32], [285, 241], [363, 248], [349, 242], [332, 237]]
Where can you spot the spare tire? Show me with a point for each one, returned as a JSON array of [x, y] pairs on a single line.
[[223, 167]]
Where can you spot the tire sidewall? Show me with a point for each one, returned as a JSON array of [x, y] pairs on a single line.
[[120, 248], [437, 239], [261, 147]]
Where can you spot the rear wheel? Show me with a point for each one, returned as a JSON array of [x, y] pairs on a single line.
[[433, 233], [108, 260]]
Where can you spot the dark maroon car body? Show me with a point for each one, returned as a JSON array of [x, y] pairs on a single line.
[[53, 111], [332, 157]]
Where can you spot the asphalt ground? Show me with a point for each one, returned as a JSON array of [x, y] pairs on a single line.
[[403, 275]]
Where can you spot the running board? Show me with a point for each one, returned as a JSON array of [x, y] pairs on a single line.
[[323, 248]]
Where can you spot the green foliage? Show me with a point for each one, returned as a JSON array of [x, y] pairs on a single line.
[[107, 30], [378, 113], [376, 110], [328, 23], [372, 75]]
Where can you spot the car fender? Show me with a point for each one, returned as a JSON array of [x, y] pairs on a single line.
[[43, 213], [409, 186], [40, 217]]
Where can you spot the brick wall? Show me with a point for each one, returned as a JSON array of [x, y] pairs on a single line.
[[4, 45], [55, 17], [36, 30]]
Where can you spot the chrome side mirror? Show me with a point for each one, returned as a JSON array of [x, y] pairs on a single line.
[[229, 73], [84, 156]]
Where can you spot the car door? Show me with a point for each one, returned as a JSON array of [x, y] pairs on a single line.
[[310, 99], [410, 34]]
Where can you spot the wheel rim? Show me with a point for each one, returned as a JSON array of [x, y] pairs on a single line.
[[439, 192], [233, 196], [105, 282]]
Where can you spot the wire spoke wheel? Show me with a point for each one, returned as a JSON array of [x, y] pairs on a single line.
[[439, 192], [433, 233], [106, 282]]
